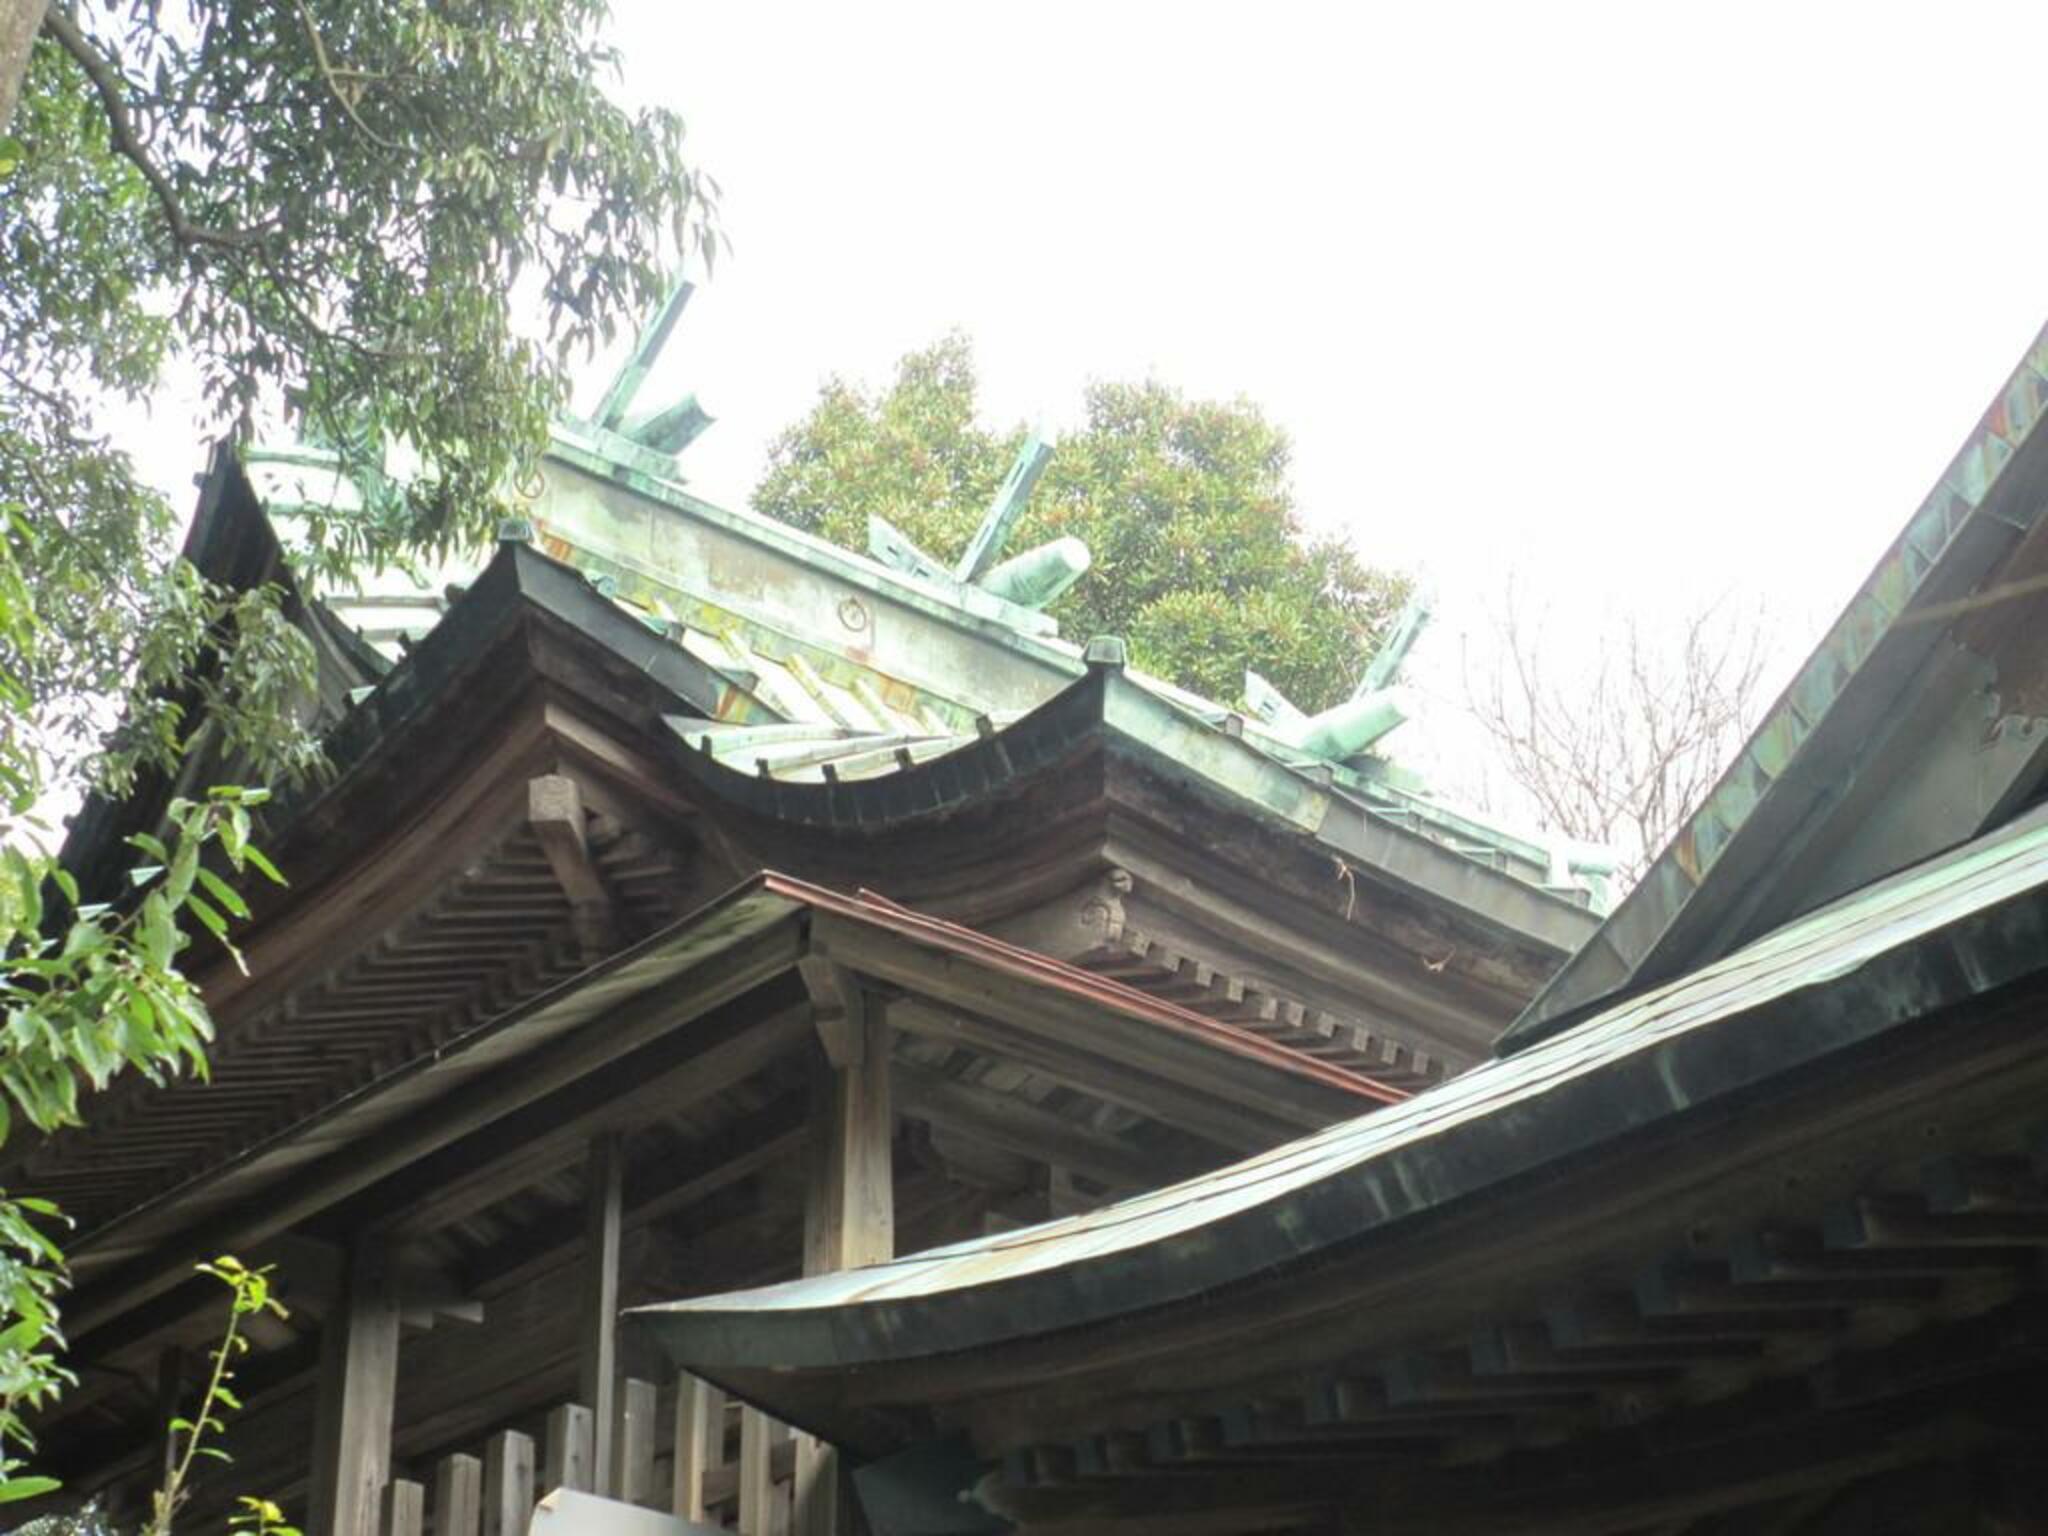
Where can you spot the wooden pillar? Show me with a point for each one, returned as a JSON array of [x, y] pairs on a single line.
[[597, 1359], [358, 1389], [405, 1509], [699, 1442], [508, 1483], [459, 1496], [754, 1515], [565, 1452], [633, 1451], [850, 1199]]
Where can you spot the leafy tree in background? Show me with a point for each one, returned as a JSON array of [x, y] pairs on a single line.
[[325, 203], [1201, 560]]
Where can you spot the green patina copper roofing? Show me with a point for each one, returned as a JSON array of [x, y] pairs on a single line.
[[1882, 959], [880, 665], [1974, 515]]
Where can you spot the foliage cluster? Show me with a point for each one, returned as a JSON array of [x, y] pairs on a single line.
[[342, 209], [1202, 561]]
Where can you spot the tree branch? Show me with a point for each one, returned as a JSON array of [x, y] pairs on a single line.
[[108, 84], [328, 73]]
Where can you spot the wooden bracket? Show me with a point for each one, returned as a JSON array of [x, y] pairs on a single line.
[[839, 1008], [554, 806]]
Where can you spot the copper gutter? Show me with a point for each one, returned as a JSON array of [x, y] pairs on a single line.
[[1057, 976]]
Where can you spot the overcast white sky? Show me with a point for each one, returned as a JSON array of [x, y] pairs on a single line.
[[1642, 299], [1645, 304]]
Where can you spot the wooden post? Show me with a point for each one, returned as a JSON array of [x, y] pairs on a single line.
[[508, 1484], [700, 1442], [757, 1473], [597, 1360], [404, 1509], [358, 1388], [850, 1208], [814, 1487], [568, 1453], [458, 1496], [633, 1472]]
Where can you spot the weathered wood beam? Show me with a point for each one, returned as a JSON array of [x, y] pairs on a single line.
[[508, 1483], [461, 1112], [554, 808], [597, 1357], [458, 1496], [568, 1455], [1206, 1116], [403, 1508], [839, 1008], [1018, 1126], [849, 1195], [524, 1148], [1074, 1023], [633, 1447], [699, 1443], [849, 1212], [760, 1437], [771, 1135], [351, 1458]]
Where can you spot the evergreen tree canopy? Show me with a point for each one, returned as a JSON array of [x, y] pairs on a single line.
[[344, 207], [1201, 560]]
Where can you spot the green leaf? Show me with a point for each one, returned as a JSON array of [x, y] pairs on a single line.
[[222, 892], [158, 932], [255, 856], [215, 923], [14, 1489]]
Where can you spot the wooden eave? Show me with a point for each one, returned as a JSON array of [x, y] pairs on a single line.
[[1685, 1175], [710, 1004], [420, 901], [1352, 914]]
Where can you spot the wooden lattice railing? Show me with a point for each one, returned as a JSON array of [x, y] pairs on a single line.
[[685, 1449]]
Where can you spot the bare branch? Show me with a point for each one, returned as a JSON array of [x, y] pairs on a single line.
[[1620, 751]]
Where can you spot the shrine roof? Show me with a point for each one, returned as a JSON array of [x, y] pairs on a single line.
[[1956, 927], [833, 665]]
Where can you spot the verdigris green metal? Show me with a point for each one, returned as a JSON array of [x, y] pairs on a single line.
[[1374, 708], [1385, 665], [1004, 510], [869, 659], [1827, 724], [896, 549], [672, 430], [1038, 576], [1346, 729], [1269, 704], [625, 386]]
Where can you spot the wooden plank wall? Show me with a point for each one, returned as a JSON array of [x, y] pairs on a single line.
[[685, 1449]]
